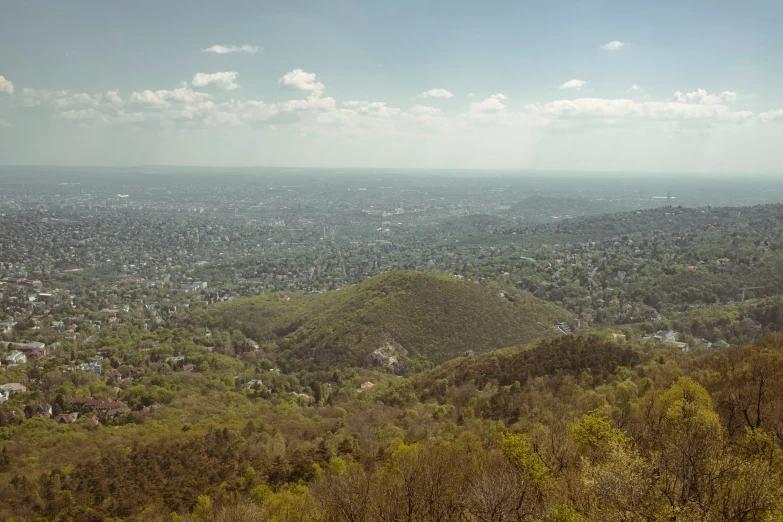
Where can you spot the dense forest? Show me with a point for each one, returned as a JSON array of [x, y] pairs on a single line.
[[402, 320], [567, 429]]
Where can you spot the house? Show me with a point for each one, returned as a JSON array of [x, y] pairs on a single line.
[[113, 412], [41, 410], [177, 360], [13, 387], [563, 327], [7, 327], [79, 402], [66, 418], [16, 357], [254, 384], [149, 409], [27, 348], [9, 415], [367, 386], [37, 354], [618, 337], [195, 286], [90, 367], [105, 407], [665, 336], [308, 399]]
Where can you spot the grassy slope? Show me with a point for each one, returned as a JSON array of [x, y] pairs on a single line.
[[433, 317]]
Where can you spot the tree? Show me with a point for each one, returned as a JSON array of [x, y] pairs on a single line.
[[5, 459], [203, 510]]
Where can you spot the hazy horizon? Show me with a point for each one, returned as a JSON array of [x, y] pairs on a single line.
[[580, 174]]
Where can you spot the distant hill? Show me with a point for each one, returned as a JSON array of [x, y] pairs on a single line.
[[404, 321]]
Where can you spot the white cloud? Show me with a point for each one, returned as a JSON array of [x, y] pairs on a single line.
[[437, 93], [192, 111], [114, 98], [303, 81], [83, 115], [684, 108], [155, 99], [6, 86], [224, 80], [251, 112], [471, 94], [5, 123], [164, 98], [491, 110], [492, 104], [185, 95], [310, 103], [635, 88], [225, 49], [377, 109], [573, 84], [185, 107], [701, 96], [342, 116], [614, 45], [773, 115], [60, 99], [425, 110]]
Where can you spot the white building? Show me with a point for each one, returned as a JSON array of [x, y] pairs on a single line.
[[16, 357]]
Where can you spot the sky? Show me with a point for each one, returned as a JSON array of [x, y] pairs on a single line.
[[652, 86]]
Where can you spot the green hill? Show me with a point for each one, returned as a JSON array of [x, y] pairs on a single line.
[[403, 321], [566, 355]]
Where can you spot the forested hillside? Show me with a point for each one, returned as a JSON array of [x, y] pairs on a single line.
[[401, 320], [572, 429]]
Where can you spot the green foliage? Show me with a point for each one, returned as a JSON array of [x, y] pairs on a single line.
[[203, 510], [568, 355], [516, 449], [418, 318], [596, 431], [516, 434]]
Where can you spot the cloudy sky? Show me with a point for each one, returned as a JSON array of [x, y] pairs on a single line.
[[653, 86]]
